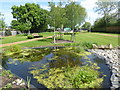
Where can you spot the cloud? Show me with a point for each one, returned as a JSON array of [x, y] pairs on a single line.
[[45, 7], [30, 0], [8, 18], [74, 0], [24, 0], [89, 5]]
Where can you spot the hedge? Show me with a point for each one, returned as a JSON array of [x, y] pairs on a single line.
[[110, 29]]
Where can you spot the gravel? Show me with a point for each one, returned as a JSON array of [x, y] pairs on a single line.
[[112, 58]]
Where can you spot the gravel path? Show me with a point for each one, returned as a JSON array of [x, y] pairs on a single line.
[[8, 44], [107, 35]]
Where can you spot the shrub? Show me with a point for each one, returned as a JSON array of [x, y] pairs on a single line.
[[20, 35], [40, 35], [76, 32], [30, 37], [88, 45], [37, 35], [49, 30], [8, 33], [25, 34]]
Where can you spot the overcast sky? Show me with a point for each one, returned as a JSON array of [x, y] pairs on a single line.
[[5, 7]]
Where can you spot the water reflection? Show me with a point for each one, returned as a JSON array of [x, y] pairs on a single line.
[[35, 59], [3, 60], [64, 58]]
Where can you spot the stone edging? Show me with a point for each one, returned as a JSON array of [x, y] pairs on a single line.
[[18, 81], [112, 58]]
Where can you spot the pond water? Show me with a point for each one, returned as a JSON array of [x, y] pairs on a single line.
[[22, 66]]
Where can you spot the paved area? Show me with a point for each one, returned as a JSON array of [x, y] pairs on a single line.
[[8, 44], [107, 35]]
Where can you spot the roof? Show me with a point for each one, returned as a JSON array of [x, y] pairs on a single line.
[[67, 28]]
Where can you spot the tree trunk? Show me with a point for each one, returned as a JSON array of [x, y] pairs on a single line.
[[54, 35], [54, 32], [29, 32]]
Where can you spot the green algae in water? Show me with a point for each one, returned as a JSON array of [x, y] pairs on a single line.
[[62, 70], [75, 77], [32, 55], [29, 55]]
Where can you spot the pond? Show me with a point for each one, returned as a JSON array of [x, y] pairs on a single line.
[[29, 62]]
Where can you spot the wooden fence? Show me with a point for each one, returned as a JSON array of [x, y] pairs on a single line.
[[110, 29]]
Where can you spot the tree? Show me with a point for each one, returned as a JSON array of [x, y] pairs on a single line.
[[2, 22], [87, 25], [29, 17], [21, 26], [107, 9], [75, 14], [56, 16], [68, 16], [99, 23]]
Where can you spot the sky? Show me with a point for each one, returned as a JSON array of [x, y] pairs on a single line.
[[5, 8]]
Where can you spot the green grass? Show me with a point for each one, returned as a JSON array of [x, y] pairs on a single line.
[[80, 38], [89, 37], [45, 34], [12, 39], [38, 43]]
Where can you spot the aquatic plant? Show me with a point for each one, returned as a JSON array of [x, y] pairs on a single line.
[[14, 48], [28, 82], [27, 55], [69, 77], [7, 73], [8, 85], [37, 54], [83, 77], [64, 70]]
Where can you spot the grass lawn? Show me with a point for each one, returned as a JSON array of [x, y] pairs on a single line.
[[80, 38], [38, 43], [45, 34], [99, 39], [12, 39]]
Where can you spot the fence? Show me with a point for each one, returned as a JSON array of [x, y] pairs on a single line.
[[9, 33], [111, 29]]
